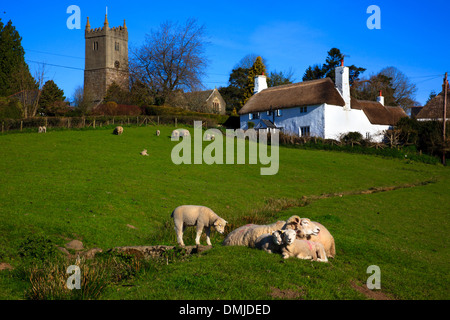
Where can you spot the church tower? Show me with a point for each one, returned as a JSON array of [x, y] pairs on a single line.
[[106, 59]]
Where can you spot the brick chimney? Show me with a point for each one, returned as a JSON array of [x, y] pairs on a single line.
[[343, 84], [260, 84]]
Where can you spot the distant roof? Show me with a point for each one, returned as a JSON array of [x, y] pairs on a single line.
[[434, 109], [305, 93], [317, 92]]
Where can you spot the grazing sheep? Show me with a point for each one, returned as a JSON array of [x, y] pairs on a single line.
[[118, 130], [200, 216], [270, 243], [158, 132], [320, 234], [247, 235], [42, 129], [144, 152], [301, 249]]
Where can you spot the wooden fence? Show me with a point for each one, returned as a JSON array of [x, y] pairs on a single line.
[[99, 121]]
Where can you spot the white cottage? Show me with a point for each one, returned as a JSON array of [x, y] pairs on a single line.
[[317, 108]]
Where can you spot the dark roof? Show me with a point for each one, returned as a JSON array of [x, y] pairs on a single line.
[[200, 95], [415, 111], [434, 109], [263, 124], [316, 92], [305, 93], [377, 113]]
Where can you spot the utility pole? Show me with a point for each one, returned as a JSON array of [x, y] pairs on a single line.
[[444, 118]]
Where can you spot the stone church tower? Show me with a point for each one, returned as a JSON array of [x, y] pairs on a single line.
[[106, 59]]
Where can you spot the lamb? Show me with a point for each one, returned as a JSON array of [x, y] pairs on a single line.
[[301, 249], [270, 243], [42, 129], [320, 234], [200, 216], [158, 132], [118, 130], [144, 152], [247, 235]]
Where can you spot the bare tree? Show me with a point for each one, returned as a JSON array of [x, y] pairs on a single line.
[[172, 57], [248, 61], [404, 89], [30, 88], [83, 99]]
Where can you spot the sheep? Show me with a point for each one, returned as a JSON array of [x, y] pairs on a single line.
[[158, 133], [200, 216], [319, 234], [301, 249], [144, 152], [42, 129], [270, 243], [175, 134], [247, 235], [118, 130]]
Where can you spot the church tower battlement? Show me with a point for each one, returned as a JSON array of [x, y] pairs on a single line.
[[106, 59]]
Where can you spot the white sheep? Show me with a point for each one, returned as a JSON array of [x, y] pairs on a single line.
[[158, 132], [200, 216], [42, 129], [301, 249], [118, 130], [319, 234], [270, 242], [247, 235], [144, 152]]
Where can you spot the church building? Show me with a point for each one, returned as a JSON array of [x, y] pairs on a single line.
[[106, 59]]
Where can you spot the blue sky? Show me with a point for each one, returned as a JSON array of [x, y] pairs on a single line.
[[288, 34]]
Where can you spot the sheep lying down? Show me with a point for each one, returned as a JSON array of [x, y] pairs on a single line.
[[316, 232], [247, 235], [270, 243], [301, 249], [199, 216]]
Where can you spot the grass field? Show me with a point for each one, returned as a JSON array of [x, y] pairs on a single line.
[[94, 186]]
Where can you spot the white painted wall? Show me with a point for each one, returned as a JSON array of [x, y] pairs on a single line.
[[326, 121], [339, 121], [292, 119]]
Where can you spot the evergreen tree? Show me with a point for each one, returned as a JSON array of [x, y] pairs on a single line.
[[313, 73], [14, 72], [50, 94], [257, 69], [332, 61], [279, 78], [233, 94]]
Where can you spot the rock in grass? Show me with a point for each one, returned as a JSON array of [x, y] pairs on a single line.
[[75, 245]]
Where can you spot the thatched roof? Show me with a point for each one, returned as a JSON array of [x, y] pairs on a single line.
[[305, 93], [317, 92], [377, 113], [434, 109]]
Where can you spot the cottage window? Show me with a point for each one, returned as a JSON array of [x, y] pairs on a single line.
[[255, 115], [368, 135], [250, 116], [278, 113], [304, 131], [303, 109], [269, 112]]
